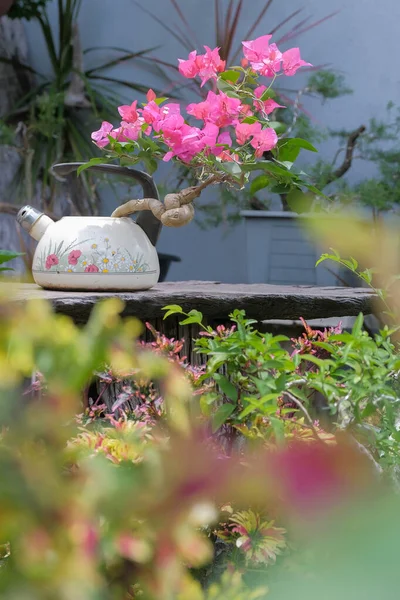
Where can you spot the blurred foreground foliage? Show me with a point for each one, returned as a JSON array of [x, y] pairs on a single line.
[[270, 472]]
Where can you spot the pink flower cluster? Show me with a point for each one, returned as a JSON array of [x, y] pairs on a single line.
[[222, 115], [266, 58], [206, 66]]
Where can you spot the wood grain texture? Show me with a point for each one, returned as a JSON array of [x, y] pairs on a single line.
[[215, 300]]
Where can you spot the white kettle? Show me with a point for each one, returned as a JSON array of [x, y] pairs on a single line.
[[95, 253]]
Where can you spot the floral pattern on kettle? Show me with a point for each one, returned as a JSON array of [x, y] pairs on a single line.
[[85, 257]]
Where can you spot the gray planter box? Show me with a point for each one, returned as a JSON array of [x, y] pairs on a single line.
[[278, 250]]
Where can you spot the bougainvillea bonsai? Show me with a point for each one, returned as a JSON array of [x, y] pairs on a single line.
[[237, 134]]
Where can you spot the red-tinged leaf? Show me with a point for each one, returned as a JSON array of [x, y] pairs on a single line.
[[218, 22], [162, 23], [185, 21], [282, 23], [232, 30], [253, 27], [293, 34], [121, 59]]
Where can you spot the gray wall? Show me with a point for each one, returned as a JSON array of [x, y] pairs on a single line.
[[362, 42]]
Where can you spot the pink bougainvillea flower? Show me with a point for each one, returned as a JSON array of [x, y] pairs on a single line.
[[92, 269], [264, 58], [153, 113], [266, 106], [245, 130], [264, 140], [256, 50], [211, 65], [219, 109], [189, 68], [51, 261], [74, 256], [100, 137], [227, 156], [223, 138], [291, 61], [130, 131], [196, 140], [270, 105], [271, 63], [169, 119], [258, 92], [188, 141], [151, 95], [206, 66], [129, 113], [200, 110]]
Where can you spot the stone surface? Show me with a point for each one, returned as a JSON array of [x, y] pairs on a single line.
[[215, 300]]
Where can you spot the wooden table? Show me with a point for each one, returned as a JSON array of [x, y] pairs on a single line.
[[215, 300]]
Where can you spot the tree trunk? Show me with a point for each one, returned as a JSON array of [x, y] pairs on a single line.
[[14, 83], [5, 6]]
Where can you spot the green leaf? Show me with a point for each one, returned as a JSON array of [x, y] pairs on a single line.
[[227, 387], [278, 428], [281, 188], [172, 309], [222, 414], [269, 93], [278, 126], [194, 316], [91, 163], [270, 167], [6, 269], [300, 143], [259, 183], [287, 153], [250, 120], [357, 327], [232, 168], [6, 255], [231, 76], [299, 201], [206, 402], [226, 87]]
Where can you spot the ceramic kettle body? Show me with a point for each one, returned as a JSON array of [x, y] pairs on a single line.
[[93, 253]]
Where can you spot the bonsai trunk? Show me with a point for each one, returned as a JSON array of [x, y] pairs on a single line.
[[5, 6]]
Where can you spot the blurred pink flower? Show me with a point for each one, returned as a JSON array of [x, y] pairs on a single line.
[[219, 109], [266, 106], [100, 137], [206, 66], [129, 113], [256, 50], [292, 61], [245, 130], [189, 68], [264, 58], [264, 140]]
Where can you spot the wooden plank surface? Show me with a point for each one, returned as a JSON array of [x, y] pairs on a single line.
[[215, 300]]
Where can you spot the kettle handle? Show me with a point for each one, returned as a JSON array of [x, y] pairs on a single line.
[[146, 220]]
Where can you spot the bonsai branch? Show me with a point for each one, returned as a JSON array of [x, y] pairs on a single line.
[[12, 209], [348, 159], [176, 210]]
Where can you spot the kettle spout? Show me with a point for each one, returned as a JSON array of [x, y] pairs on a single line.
[[33, 221]]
